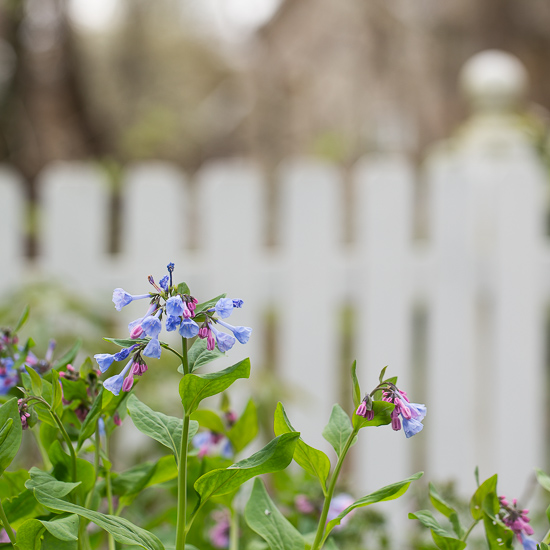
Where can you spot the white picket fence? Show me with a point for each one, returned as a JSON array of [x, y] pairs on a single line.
[[480, 277]]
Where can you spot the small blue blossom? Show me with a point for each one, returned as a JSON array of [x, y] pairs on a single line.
[[122, 298], [188, 328], [411, 426], [225, 341], [104, 360], [238, 303], [174, 306], [172, 323], [528, 543], [123, 353], [152, 349], [163, 283], [114, 383], [242, 334], [224, 307], [152, 325]]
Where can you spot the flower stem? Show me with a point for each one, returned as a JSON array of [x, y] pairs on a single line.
[[6, 524], [234, 531], [319, 537], [45, 458], [467, 533], [67, 441], [109, 489], [181, 531]]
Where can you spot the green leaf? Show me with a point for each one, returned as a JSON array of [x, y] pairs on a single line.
[[183, 289], [65, 528], [22, 319], [447, 543], [312, 460], [438, 503], [20, 507], [75, 390], [209, 419], [12, 441], [69, 357], [160, 427], [389, 492], [457, 526], [36, 381], [130, 483], [5, 430], [264, 518], [426, 518], [489, 486], [198, 355], [207, 305], [29, 535], [355, 386], [338, 429], [122, 530], [382, 415], [57, 399], [127, 342], [89, 426], [543, 479], [49, 484], [245, 429], [63, 468], [12, 483], [275, 456], [196, 387], [498, 535], [382, 374]]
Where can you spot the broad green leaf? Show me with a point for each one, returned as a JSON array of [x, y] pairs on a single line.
[[447, 543], [476, 503], [198, 355], [49, 542], [338, 429], [65, 528], [382, 415], [12, 483], [207, 305], [48, 483], [29, 534], [438, 503], [86, 368], [275, 456], [69, 357], [127, 342], [498, 535], [160, 427], [43, 411], [312, 460], [264, 518], [196, 387], [89, 425], [12, 441], [245, 429], [36, 381], [543, 479], [122, 530], [22, 319], [457, 526], [20, 507], [389, 492], [183, 289], [209, 419], [63, 468], [5, 430], [356, 390], [130, 483], [426, 518], [75, 390]]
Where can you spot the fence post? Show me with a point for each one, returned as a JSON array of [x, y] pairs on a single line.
[[486, 343]]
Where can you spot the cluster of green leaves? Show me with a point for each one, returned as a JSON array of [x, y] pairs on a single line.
[[484, 508]]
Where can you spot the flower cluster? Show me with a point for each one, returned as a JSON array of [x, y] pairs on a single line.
[[178, 309], [11, 364], [516, 519], [405, 414]]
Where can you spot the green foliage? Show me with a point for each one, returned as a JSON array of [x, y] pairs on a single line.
[[338, 429], [10, 433]]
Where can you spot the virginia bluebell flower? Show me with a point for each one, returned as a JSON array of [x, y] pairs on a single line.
[[122, 298], [172, 323], [188, 328], [219, 534], [528, 543], [365, 408], [114, 383], [242, 334], [174, 306], [225, 341], [224, 307], [212, 444], [238, 303], [164, 283], [516, 519], [151, 325], [337, 505], [152, 349]]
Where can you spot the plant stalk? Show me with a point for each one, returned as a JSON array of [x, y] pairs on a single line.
[[109, 491], [467, 533], [67, 441], [319, 536], [234, 531], [45, 458], [181, 531], [6, 524]]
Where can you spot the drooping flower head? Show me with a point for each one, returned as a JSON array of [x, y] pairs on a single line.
[[173, 307], [517, 520]]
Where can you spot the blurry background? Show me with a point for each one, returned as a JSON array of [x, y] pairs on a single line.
[[283, 151]]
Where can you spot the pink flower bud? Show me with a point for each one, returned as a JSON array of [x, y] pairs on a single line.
[[128, 383]]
